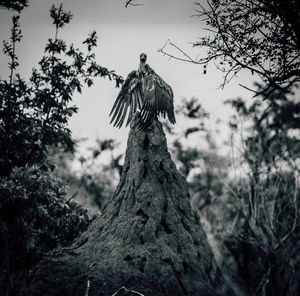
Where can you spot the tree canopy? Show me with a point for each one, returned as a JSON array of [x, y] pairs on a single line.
[[260, 36]]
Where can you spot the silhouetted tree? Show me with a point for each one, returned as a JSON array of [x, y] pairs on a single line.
[[34, 214], [260, 36]]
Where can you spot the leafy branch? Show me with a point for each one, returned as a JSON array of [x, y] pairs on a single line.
[[36, 113]]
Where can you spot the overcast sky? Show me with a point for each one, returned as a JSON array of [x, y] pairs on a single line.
[[123, 34]]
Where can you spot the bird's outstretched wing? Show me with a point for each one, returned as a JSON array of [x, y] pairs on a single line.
[[130, 97], [158, 99]]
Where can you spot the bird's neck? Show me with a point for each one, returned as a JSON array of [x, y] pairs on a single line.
[[142, 67]]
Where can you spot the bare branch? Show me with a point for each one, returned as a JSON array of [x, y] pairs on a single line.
[[254, 91], [276, 247], [263, 281], [188, 58], [251, 35], [129, 2]]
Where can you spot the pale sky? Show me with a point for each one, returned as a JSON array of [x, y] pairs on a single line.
[[123, 35]]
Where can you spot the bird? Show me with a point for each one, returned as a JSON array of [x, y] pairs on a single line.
[[143, 91]]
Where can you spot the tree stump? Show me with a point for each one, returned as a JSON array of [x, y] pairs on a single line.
[[148, 239]]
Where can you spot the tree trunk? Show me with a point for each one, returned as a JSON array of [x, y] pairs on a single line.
[[147, 239]]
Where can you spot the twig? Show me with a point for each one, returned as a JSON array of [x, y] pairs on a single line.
[[87, 288], [295, 218], [126, 290], [263, 282], [187, 59], [256, 93], [129, 2]]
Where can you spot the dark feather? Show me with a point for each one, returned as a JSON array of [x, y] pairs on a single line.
[[130, 113], [156, 99]]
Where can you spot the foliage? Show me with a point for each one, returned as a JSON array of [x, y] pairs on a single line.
[[201, 163], [262, 236], [14, 4], [34, 114], [34, 219], [272, 140], [250, 211], [264, 232], [34, 214], [255, 213], [96, 175], [256, 216]]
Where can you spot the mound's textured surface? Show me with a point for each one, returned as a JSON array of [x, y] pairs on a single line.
[[148, 238]]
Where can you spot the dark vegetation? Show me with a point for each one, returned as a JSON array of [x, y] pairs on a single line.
[[35, 216], [248, 198], [255, 214], [17, 5]]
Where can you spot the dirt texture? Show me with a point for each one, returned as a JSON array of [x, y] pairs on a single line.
[[148, 239]]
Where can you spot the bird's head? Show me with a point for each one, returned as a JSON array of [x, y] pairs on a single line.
[[143, 57]]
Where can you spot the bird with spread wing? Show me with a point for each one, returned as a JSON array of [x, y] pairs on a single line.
[[146, 91]]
